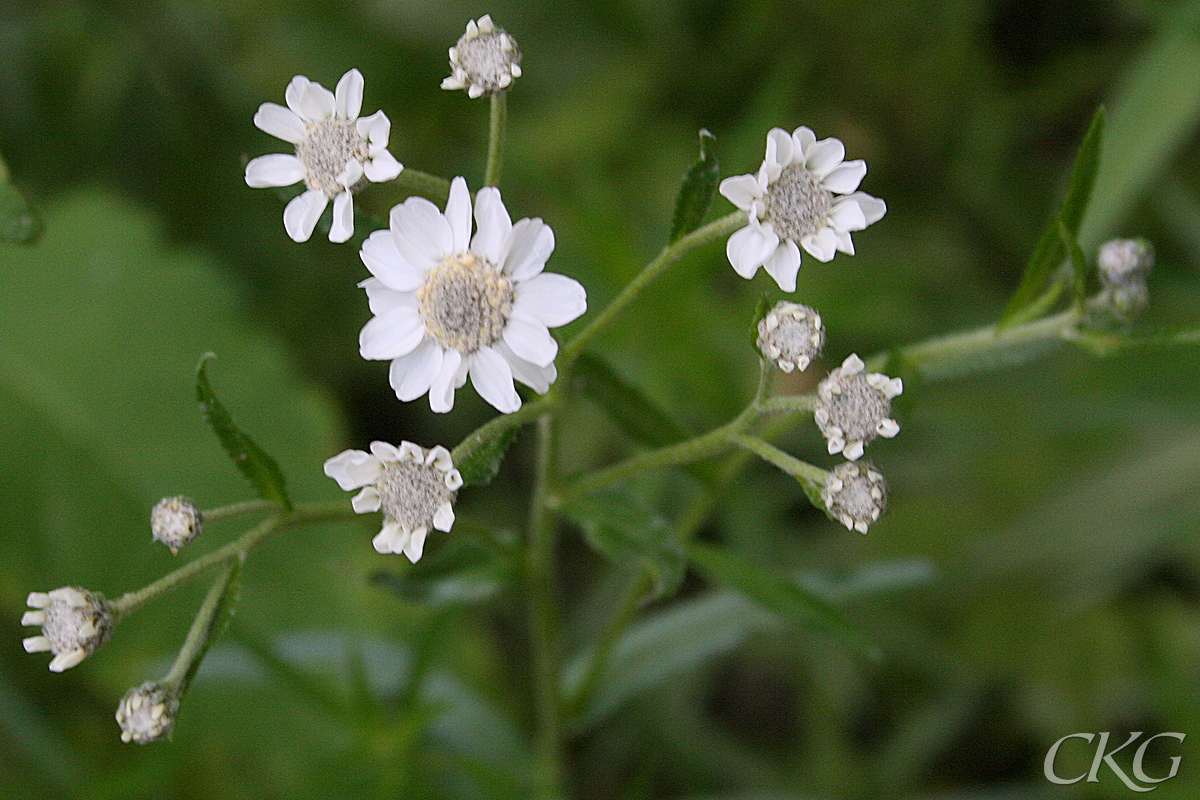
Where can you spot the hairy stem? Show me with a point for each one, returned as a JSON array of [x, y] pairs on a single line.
[[496, 131]]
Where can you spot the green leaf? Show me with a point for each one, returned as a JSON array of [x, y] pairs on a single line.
[[629, 533], [19, 223], [788, 599], [258, 467], [464, 571], [633, 411], [482, 463], [1050, 250], [696, 193], [218, 607], [1079, 270]]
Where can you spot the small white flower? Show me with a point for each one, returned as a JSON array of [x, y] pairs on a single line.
[[175, 521], [336, 152], [448, 304], [855, 495], [853, 407], [74, 622], [415, 488], [147, 713], [1122, 260], [484, 61], [803, 196], [791, 335]]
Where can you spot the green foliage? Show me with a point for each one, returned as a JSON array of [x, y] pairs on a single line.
[[19, 223], [629, 407], [482, 463], [696, 192], [258, 467]]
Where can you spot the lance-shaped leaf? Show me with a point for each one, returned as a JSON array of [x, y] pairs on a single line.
[[1078, 265], [482, 463], [696, 193], [629, 407], [258, 467], [792, 602], [1050, 250]]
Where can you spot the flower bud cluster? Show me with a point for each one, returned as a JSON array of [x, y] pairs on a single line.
[[1123, 265], [790, 336], [147, 713]]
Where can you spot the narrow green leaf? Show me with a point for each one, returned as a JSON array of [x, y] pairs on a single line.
[[258, 467], [482, 464], [19, 223], [786, 598], [629, 533], [696, 193], [214, 616], [1079, 270], [633, 411], [1050, 250]]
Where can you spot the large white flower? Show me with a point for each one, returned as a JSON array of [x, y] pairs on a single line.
[[448, 304], [803, 196], [335, 152]]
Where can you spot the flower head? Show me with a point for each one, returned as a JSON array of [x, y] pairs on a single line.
[[415, 488], [175, 521], [791, 335], [74, 622], [147, 713], [1122, 260], [336, 151], [855, 494], [803, 196], [853, 407], [484, 61], [448, 304]]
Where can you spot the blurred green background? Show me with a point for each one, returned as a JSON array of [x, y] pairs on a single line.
[[1037, 573]]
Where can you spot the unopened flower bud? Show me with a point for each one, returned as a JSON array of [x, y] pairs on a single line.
[[855, 494], [484, 61], [175, 521], [147, 713], [791, 336], [74, 622], [1121, 260], [853, 407]]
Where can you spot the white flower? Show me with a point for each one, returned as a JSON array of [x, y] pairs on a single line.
[[853, 406], [175, 521], [791, 335], [484, 61], [335, 152], [415, 488], [74, 622], [448, 304], [1123, 260], [855, 494], [147, 713], [803, 196]]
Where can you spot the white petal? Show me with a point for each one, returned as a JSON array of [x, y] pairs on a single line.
[[474, 91], [458, 214], [382, 299], [366, 501], [823, 156], [36, 644], [852, 365], [280, 122], [783, 265], [64, 661], [301, 214], [492, 378], [803, 138], [381, 257], [550, 298], [422, 234], [350, 174], [375, 128], [748, 248], [530, 340], [353, 469], [37, 599], [391, 335], [441, 392], [276, 169], [315, 102], [492, 225], [872, 207], [528, 373], [845, 243], [348, 95], [529, 244], [415, 544], [822, 245], [451, 82], [343, 218], [383, 166], [847, 215], [293, 93], [779, 150], [854, 451], [888, 428], [36, 617], [389, 537], [412, 375], [439, 457], [845, 178], [741, 190], [443, 520]]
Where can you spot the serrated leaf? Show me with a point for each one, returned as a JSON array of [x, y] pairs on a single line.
[[696, 192], [19, 223], [785, 597], [258, 467], [629, 407], [629, 533], [1050, 250], [482, 463]]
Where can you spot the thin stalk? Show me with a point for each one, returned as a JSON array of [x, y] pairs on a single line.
[[241, 509], [498, 425], [786, 462], [496, 131], [423, 184], [203, 627]]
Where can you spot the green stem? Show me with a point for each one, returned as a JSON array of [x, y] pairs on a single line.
[[241, 509], [543, 620], [498, 425], [703, 235], [793, 466], [423, 184], [496, 129], [203, 627]]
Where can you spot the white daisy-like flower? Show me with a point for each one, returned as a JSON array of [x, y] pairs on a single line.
[[175, 521], [484, 61], [75, 623], [448, 304], [147, 713], [803, 196], [791, 335], [336, 152], [855, 494], [415, 488], [853, 407]]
